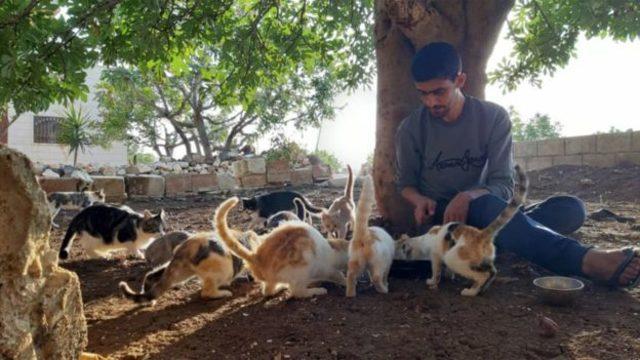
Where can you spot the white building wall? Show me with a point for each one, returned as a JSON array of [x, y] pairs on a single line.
[[21, 135]]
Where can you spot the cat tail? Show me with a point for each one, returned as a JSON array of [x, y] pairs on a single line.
[[363, 211], [220, 223], [301, 211], [68, 239], [348, 189], [308, 206], [519, 197]]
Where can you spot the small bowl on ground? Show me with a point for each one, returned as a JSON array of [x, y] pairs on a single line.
[[558, 290]]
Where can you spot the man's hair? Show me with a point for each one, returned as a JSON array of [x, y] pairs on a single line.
[[437, 60]]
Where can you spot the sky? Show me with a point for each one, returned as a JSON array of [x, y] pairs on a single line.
[[597, 90]]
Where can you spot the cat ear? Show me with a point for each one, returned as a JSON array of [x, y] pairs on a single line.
[[147, 214]]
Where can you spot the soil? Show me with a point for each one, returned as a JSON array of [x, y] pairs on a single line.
[[409, 322]]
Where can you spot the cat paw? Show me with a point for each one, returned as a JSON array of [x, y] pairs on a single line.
[[432, 284], [351, 293], [469, 292]]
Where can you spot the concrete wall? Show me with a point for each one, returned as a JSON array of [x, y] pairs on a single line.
[[21, 135], [599, 150]]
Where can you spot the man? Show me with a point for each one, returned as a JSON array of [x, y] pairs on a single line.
[[455, 163]]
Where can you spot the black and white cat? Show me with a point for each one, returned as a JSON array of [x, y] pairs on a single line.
[[72, 200], [103, 228], [264, 206]]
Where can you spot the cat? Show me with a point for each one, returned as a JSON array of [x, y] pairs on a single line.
[[202, 255], [294, 255], [266, 205], [282, 216], [371, 248], [340, 216], [71, 200], [103, 228], [161, 249], [464, 249]]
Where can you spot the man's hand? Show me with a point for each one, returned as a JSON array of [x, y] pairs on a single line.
[[458, 208], [424, 207]]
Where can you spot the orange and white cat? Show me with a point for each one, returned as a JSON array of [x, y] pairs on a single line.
[[371, 248], [464, 249], [294, 255]]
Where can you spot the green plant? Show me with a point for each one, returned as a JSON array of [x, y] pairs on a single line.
[[141, 158], [329, 159], [284, 149], [538, 127], [77, 132]]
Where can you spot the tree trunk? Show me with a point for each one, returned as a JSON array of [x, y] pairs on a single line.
[[183, 137], [401, 28], [202, 134]]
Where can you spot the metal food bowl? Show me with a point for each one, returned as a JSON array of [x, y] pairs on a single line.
[[558, 290]]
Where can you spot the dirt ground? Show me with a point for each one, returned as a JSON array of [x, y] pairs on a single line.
[[409, 322]]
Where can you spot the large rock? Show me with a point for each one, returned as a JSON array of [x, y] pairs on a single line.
[[177, 184], [82, 176], [204, 182], [50, 185], [41, 311], [278, 172], [302, 176], [321, 172], [226, 181], [113, 187], [145, 186], [249, 166], [253, 181], [50, 174]]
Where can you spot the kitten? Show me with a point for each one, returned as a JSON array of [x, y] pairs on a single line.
[[371, 248], [282, 216], [340, 215], [464, 249], [294, 255], [264, 206], [161, 249], [71, 200], [202, 255], [103, 228]]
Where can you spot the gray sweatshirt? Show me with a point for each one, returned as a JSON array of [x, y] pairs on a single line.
[[441, 159]]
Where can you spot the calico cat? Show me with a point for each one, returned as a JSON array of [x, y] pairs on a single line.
[[464, 249], [202, 255], [293, 256], [371, 248], [161, 249], [264, 206], [340, 215], [72, 200], [282, 216], [103, 228]]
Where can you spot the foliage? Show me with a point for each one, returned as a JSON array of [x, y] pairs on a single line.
[[538, 127], [614, 130], [545, 33], [330, 159], [284, 149], [141, 158], [77, 131]]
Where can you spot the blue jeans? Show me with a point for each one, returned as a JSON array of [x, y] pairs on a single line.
[[536, 233]]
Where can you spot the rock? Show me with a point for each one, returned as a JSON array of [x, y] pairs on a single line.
[[183, 164], [132, 170], [321, 173], [339, 180], [144, 169], [107, 171], [121, 172], [176, 168], [67, 170], [82, 176], [41, 309], [50, 174], [256, 165], [547, 327], [587, 182], [226, 181]]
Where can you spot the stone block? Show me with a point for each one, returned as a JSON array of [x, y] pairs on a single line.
[[279, 166], [525, 148], [278, 172], [253, 181], [613, 143], [567, 160], [539, 162], [635, 141], [632, 157], [177, 184], [50, 185], [204, 182], [256, 165], [226, 181], [580, 145], [321, 172], [550, 147], [302, 176], [599, 160], [240, 168], [145, 186], [113, 187]]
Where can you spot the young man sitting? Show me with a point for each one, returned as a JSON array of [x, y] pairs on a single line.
[[455, 163]]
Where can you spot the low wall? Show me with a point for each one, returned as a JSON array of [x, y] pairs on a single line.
[[601, 150]]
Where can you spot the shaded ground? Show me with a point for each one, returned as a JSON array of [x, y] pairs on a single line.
[[409, 322]]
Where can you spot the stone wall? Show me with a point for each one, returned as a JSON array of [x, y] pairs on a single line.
[[601, 150]]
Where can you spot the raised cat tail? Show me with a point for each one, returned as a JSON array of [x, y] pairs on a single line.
[[519, 197], [220, 223], [363, 211], [348, 190], [67, 240]]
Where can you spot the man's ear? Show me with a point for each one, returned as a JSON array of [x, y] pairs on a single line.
[[461, 79]]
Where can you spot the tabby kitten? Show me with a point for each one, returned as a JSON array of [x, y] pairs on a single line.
[[161, 249], [341, 214], [202, 255], [464, 249], [104, 228], [294, 255], [71, 200]]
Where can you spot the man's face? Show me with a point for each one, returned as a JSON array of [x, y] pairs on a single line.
[[438, 95]]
